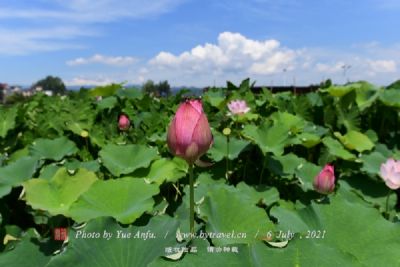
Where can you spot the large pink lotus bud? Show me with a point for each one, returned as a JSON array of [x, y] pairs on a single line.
[[123, 122], [189, 134], [324, 182], [390, 173]]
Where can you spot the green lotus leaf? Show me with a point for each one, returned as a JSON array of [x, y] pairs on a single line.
[[29, 250], [167, 170], [107, 103], [57, 194], [390, 97], [55, 149], [354, 140], [269, 138], [339, 91], [375, 238], [372, 162], [16, 172], [125, 159], [215, 98], [232, 213], [7, 120], [125, 199], [308, 140], [366, 95], [259, 194], [220, 148], [294, 166], [273, 136], [336, 149], [106, 90], [133, 250]]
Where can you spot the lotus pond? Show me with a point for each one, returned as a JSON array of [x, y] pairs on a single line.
[[78, 188]]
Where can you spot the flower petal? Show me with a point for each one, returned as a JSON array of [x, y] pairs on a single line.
[[186, 119]]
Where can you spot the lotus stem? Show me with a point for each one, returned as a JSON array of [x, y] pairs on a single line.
[[227, 157], [191, 209], [387, 204]]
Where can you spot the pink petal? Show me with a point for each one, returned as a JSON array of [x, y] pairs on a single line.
[[202, 135], [384, 171], [171, 140], [392, 185], [196, 104], [185, 121]]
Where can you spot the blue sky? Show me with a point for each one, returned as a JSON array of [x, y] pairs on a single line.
[[200, 43]]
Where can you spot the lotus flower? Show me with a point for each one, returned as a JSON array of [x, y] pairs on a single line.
[[390, 173], [238, 107], [324, 182], [123, 122], [189, 134]]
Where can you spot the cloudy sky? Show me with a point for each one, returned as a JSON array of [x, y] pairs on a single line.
[[199, 42]]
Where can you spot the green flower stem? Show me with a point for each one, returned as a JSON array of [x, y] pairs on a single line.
[[191, 210], [238, 128], [227, 157], [387, 204]]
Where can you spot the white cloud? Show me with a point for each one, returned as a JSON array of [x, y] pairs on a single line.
[[101, 59], [235, 57], [382, 66], [232, 53], [278, 62], [82, 81], [330, 68]]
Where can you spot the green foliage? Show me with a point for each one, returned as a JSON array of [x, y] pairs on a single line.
[[64, 161], [128, 251], [125, 159], [132, 198], [57, 194], [7, 120]]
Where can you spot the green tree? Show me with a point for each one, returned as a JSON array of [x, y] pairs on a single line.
[[51, 83], [149, 87], [161, 89], [164, 89], [326, 84]]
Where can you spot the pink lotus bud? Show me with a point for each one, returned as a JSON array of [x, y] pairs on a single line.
[[390, 173], [238, 107], [123, 122], [324, 182], [189, 134]]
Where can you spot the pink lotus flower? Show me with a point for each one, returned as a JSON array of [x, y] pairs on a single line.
[[324, 182], [123, 122], [189, 134], [238, 107], [390, 173]]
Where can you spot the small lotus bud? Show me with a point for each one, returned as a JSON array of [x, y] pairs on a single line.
[[123, 122], [324, 182]]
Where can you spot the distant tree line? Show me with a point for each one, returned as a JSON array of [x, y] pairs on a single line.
[[161, 89], [51, 83]]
